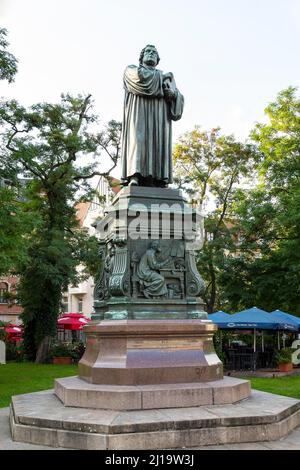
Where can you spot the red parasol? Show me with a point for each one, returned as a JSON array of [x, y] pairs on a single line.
[[72, 321], [14, 332]]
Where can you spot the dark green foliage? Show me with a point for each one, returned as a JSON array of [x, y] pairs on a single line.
[[77, 351], [284, 356], [267, 270], [252, 253], [14, 351], [60, 350], [210, 166], [3, 334], [8, 63], [51, 146], [45, 144], [16, 223], [73, 350]]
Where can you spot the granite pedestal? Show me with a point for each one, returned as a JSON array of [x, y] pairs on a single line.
[[141, 352]]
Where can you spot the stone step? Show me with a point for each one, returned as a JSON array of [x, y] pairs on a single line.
[[73, 391], [40, 418]]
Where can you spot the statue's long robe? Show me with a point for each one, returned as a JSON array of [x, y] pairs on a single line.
[[153, 283], [147, 132]]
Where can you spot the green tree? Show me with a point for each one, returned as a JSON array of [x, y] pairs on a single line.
[[52, 145], [15, 220], [209, 167], [16, 223], [8, 62], [267, 271]]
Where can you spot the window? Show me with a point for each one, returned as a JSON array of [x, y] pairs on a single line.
[[3, 293], [65, 304], [80, 303]]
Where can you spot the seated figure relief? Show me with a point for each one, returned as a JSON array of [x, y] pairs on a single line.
[[151, 272], [153, 284]]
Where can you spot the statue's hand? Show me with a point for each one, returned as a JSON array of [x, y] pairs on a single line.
[[167, 261], [169, 94]]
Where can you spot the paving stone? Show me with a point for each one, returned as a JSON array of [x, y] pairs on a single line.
[[278, 445], [143, 421], [243, 446], [196, 417], [6, 442], [54, 415]]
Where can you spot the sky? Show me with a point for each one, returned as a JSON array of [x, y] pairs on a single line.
[[230, 58]]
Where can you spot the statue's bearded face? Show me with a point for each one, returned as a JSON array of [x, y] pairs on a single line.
[[155, 246], [150, 56]]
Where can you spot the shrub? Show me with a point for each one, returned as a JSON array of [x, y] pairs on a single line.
[[77, 350], [60, 350], [284, 356], [14, 351], [3, 334], [73, 350]]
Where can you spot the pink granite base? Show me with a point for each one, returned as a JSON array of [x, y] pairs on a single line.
[[150, 352], [73, 391]]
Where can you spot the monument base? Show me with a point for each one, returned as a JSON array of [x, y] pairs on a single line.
[[144, 352], [72, 391], [41, 418]]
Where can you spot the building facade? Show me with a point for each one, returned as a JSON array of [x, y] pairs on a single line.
[[9, 308]]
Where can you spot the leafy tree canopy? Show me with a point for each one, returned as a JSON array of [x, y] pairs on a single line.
[[54, 147], [210, 167], [8, 62], [267, 271]]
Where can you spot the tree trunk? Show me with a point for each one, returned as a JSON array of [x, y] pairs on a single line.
[[74, 336], [213, 290], [43, 350]]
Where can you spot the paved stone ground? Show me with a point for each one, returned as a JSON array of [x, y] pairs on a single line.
[[291, 442], [6, 442]]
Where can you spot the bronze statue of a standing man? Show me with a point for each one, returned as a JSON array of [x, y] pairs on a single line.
[[152, 102]]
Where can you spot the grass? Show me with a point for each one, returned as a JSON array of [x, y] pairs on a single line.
[[288, 386], [26, 377]]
